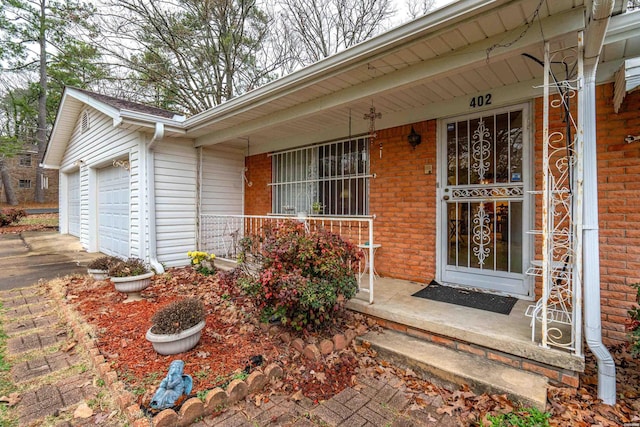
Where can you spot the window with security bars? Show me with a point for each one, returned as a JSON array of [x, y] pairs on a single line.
[[328, 179]]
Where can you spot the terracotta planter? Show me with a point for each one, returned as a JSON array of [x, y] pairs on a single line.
[[176, 343], [98, 274], [132, 285]]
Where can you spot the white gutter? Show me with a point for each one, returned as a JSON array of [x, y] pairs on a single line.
[[594, 38], [151, 198]]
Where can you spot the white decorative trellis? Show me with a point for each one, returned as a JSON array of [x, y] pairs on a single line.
[[557, 315]]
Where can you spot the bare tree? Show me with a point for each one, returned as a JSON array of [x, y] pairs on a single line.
[[191, 55], [324, 27], [417, 8]]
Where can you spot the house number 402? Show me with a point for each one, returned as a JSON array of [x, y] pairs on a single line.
[[480, 100]]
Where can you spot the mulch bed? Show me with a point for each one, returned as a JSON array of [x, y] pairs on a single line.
[[232, 336]]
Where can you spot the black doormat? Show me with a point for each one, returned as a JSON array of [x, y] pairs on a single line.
[[467, 298]]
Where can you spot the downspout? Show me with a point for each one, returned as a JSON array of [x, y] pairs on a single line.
[[594, 38], [151, 198]]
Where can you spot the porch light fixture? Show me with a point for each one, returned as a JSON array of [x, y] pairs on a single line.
[[414, 138]]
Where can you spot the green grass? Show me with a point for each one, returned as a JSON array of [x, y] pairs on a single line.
[[46, 220], [523, 417]]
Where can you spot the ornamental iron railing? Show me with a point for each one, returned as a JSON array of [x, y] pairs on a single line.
[[557, 315], [221, 235]]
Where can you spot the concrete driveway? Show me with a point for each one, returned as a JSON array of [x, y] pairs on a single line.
[[28, 257]]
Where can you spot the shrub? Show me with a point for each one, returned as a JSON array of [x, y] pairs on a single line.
[[633, 325], [303, 277], [129, 267], [10, 216], [103, 263], [178, 316], [203, 262]]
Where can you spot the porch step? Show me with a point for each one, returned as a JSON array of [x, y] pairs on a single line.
[[447, 367]]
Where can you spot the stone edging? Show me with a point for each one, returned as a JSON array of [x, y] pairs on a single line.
[[190, 410], [325, 347]]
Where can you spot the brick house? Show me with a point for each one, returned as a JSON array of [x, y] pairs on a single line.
[[488, 146], [22, 169]]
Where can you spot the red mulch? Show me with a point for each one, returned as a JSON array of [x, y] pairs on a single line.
[[232, 335]]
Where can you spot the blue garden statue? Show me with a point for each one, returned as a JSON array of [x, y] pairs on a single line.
[[174, 385]]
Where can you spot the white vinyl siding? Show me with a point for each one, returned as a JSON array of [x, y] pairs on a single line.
[[175, 200], [97, 149], [73, 199], [222, 183]]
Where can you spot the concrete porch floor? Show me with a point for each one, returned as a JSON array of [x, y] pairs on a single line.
[[508, 334]]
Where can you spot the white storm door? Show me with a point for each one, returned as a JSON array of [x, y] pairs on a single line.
[[483, 205], [113, 211], [73, 203]]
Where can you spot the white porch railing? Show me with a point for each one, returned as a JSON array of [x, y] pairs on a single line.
[[221, 234]]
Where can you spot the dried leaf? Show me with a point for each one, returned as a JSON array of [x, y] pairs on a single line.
[[69, 346], [258, 399], [11, 400], [297, 396], [320, 376], [83, 411]]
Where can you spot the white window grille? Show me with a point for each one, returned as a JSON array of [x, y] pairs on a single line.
[[44, 182], [326, 179], [24, 183]]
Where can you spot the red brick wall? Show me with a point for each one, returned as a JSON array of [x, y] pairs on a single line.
[[403, 199], [27, 195], [619, 208], [258, 197]]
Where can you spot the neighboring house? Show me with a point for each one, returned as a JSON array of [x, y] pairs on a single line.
[[498, 158], [23, 168]]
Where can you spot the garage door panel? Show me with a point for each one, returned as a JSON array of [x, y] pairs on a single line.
[[73, 197], [113, 211]]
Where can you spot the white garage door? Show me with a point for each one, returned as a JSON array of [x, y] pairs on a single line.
[[73, 206], [113, 211]]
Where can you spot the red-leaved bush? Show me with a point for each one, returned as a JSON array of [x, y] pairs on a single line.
[[302, 277]]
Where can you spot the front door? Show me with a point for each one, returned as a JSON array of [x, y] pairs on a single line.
[[484, 211]]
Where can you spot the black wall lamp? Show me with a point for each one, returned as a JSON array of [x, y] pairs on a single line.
[[414, 138]]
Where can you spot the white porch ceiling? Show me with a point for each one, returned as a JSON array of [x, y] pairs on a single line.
[[409, 77]]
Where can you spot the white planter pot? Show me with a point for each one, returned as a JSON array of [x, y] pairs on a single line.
[[98, 274], [132, 285], [176, 343]]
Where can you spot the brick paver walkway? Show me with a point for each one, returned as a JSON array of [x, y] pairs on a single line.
[[49, 399], [43, 372], [375, 403]]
